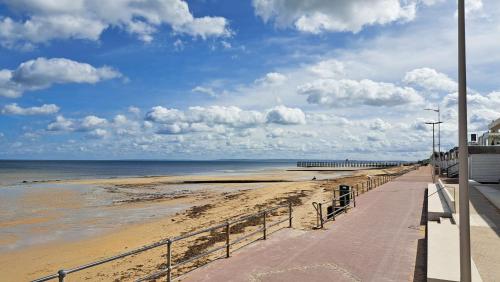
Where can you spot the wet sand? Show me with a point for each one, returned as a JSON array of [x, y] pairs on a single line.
[[211, 200]]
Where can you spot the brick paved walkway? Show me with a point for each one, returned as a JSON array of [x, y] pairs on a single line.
[[379, 240]]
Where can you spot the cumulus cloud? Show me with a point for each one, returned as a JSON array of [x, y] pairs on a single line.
[[92, 122], [134, 110], [218, 118], [98, 133], [346, 92], [205, 90], [232, 116], [60, 124], [41, 73], [272, 78], [285, 115], [160, 114], [45, 109], [430, 79], [472, 7], [43, 21], [482, 109], [86, 124], [330, 68], [280, 132], [379, 125], [318, 16]]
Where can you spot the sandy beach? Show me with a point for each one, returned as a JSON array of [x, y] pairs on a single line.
[[201, 201]]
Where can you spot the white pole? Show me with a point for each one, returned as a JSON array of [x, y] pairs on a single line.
[[433, 156], [439, 139], [465, 264]]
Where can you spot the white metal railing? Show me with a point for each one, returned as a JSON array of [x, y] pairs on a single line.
[[169, 243]]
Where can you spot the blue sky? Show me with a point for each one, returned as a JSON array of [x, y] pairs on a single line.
[[174, 79]]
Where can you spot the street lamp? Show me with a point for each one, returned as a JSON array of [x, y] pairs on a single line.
[[438, 111], [433, 150], [463, 151]]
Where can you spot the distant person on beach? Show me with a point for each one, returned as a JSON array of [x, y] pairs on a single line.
[[314, 178]]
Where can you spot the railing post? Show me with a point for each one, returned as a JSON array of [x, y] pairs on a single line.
[[357, 189], [169, 260], [227, 239], [289, 214], [347, 197], [61, 274], [354, 198], [265, 230], [334, 207], [320, 214]]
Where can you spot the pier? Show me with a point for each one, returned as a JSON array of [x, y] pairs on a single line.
[[349, 164]]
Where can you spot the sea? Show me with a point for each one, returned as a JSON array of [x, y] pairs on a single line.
[[23, 171], [36, 209]]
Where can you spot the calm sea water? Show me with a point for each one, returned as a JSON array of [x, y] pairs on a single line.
[[34, 213], [12, 172]]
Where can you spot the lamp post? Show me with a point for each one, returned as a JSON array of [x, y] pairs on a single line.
[[438, 111], [433, 150], [463, 152]]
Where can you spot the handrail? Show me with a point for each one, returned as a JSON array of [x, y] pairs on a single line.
[[61, 274], [371, 183]]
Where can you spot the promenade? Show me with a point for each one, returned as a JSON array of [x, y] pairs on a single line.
[[382, 239]]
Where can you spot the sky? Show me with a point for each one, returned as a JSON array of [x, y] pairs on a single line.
[[223, 79]]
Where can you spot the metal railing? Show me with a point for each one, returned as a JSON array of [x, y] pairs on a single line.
[[169, 266], [335, 209], [341, 164], [452, 170], [354, 191]]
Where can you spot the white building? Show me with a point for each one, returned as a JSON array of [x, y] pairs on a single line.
[[492, 137]]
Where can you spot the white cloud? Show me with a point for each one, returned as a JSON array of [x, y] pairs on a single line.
[[92, 122], [86, 124], [272, 78], [330, 68], [316, 16], [98, 133], [213, 115], [346, 92], [232, 116], [41, 73], [43, 21], [45, 109], [220, 119], [226, 44], [134, 110], [482, 109], [178, 45], [472, 7], [285, 115], [60, 124], [281, 133], [160, 114], [205, 90], [430, 79], [379, 125]]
